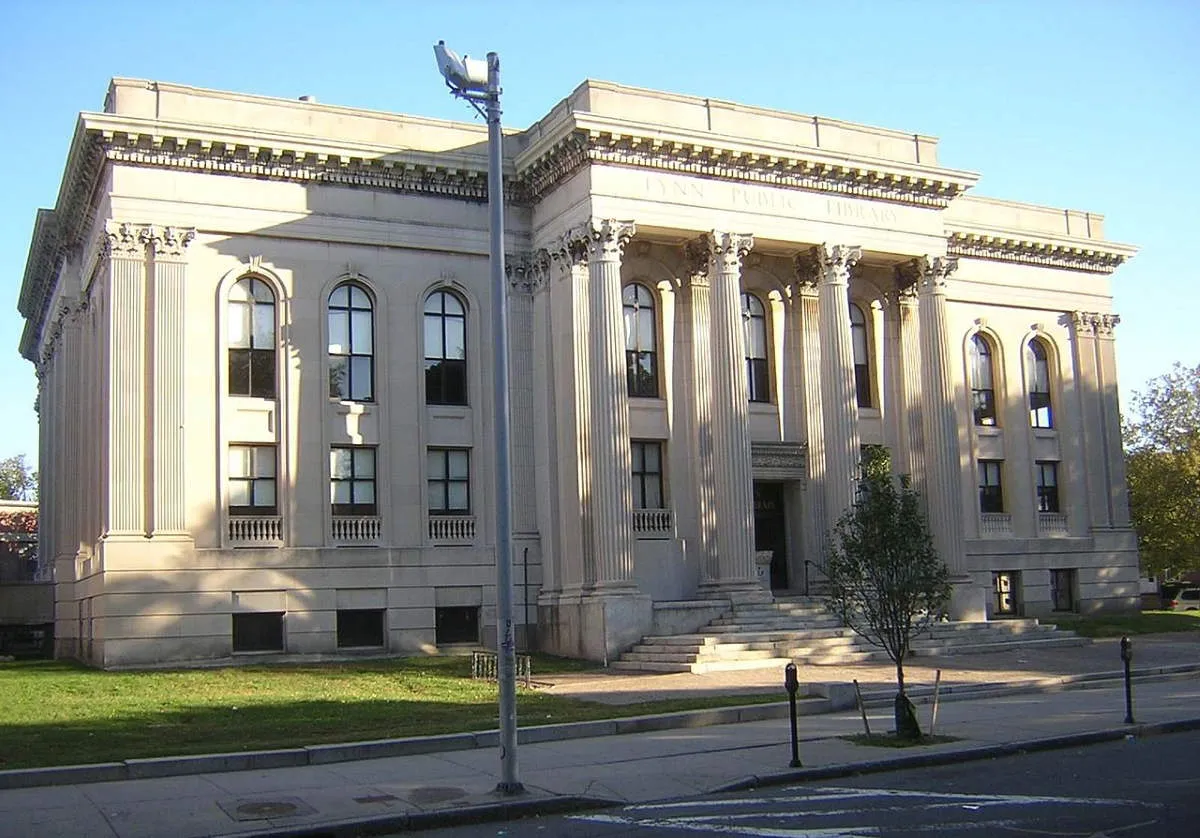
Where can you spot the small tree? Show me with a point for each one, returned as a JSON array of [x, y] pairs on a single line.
[[17, 481], [1162, 463], [886, 581]]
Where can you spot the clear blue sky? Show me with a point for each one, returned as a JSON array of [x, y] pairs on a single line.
[[1086, 105]]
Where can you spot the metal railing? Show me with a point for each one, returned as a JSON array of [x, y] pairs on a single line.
[[451, 529], [483, 667]]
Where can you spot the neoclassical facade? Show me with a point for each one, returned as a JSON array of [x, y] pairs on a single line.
[[261, 332]]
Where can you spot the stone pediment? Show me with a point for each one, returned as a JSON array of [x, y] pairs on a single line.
[[779, 460]]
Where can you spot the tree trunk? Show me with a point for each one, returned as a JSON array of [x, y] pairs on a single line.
[[907, 726]]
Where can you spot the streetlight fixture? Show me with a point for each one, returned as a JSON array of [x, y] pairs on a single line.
[[478, 82]]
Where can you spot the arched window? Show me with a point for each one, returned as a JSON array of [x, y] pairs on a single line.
[[445, 349], [1037, 377], [862, 356], [251, 311], [351, 344], [983, 392], [641, 356], [754, 325]]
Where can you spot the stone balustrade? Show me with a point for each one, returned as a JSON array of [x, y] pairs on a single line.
[[256, 530], [451, 529], [356, 529], [653, 523]]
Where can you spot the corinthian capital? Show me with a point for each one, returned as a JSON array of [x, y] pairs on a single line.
[[527, 273], [830, 263], [727, 250], [599, 240], [933, 271], [170, 242], [125, 241], [1098, 323]]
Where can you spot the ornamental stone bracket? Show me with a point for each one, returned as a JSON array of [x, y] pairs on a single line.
[[779, 461]]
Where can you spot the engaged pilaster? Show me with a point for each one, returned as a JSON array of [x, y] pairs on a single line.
[[125, 251], [608, 411], [730, 414], [813, 504], [832, 265], [1096, 382], [942, 461], [166, 380]]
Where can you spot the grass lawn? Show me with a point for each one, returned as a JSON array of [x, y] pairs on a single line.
[[1147, 622], [59, 713]]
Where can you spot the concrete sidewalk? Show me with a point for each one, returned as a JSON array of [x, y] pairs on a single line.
[[435, 789]]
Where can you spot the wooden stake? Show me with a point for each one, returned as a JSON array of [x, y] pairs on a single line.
[[862, 708]]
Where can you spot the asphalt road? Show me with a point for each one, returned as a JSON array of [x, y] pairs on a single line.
[[1144, 788]]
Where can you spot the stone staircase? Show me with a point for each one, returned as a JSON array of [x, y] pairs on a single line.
[[768, 635]]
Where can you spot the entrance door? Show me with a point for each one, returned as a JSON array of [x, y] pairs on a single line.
[[770, 530]]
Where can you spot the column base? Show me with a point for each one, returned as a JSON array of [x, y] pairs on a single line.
[[595, 625], [968, 601]]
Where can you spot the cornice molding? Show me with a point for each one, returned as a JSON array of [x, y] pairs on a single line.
[[793, 169], [1097, 257]]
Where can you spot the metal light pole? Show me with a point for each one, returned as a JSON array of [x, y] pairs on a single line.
[[479, 84]]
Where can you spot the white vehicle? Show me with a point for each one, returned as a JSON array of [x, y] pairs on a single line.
[[1186, 600]]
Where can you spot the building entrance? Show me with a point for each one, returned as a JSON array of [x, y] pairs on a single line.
[[770, 530]]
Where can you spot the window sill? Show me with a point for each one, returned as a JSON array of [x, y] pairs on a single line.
[[989, 431], [350, 407], [1046, 433]]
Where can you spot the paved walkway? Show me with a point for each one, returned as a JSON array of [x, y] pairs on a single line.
[[435, 789]]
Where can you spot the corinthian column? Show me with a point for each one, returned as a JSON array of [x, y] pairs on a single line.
[[166, 380], [125, 250], [608, 410], [943, 468], [730, 414], [839, 404]]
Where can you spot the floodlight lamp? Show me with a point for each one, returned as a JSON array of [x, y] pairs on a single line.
[[462, 75]]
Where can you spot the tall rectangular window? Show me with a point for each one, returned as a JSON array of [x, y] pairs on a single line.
[[991, 490], [352, 480], [647, 475], [758, 370], [252, 480], [1062, 589], [445, 349], [1047, 486], [448, 481]]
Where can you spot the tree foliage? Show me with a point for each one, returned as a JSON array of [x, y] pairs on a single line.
[[17, 480], [1162, 463], [886, 580]]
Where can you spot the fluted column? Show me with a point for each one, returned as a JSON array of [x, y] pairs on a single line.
[[816, 524], [943, 466], [1096, 382], [126, 254], [903, 360], [831, 265], [731, 413], [608, 411], [166, 379]]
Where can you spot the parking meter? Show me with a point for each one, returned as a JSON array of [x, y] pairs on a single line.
[[790, 680], [1126, 659], [1126, 650], [791, 683]]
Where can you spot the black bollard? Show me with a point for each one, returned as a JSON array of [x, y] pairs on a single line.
[[1127, 659], [792, 683]]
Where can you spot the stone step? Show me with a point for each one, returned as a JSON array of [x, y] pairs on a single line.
[[1002, 646], [623, 665], [777, 625], [703, 666]]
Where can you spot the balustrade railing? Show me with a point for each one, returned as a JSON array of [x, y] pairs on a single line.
[[1052, 523], [451, 529], [264, 530], [653, 523], [356, 529], [996, 525]]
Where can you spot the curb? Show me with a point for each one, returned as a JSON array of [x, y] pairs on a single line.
[[145, 768], [1049, 743]]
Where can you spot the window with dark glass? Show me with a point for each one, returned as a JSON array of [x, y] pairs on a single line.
[[991, 490], [251, 310], [1037, 374], [448, 481], [352, 480], [1047, 486], [1062, 589], [252, 480], [456, 624], [359, 627], [754, 325], [445, 349], [351, 344], [862, 363], [641, 356], [260, 631], [647, 475], [983, 393]]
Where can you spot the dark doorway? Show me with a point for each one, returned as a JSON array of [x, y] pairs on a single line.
[[770, 530]]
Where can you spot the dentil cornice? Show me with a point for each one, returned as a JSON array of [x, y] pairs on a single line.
[[1085, 255]]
